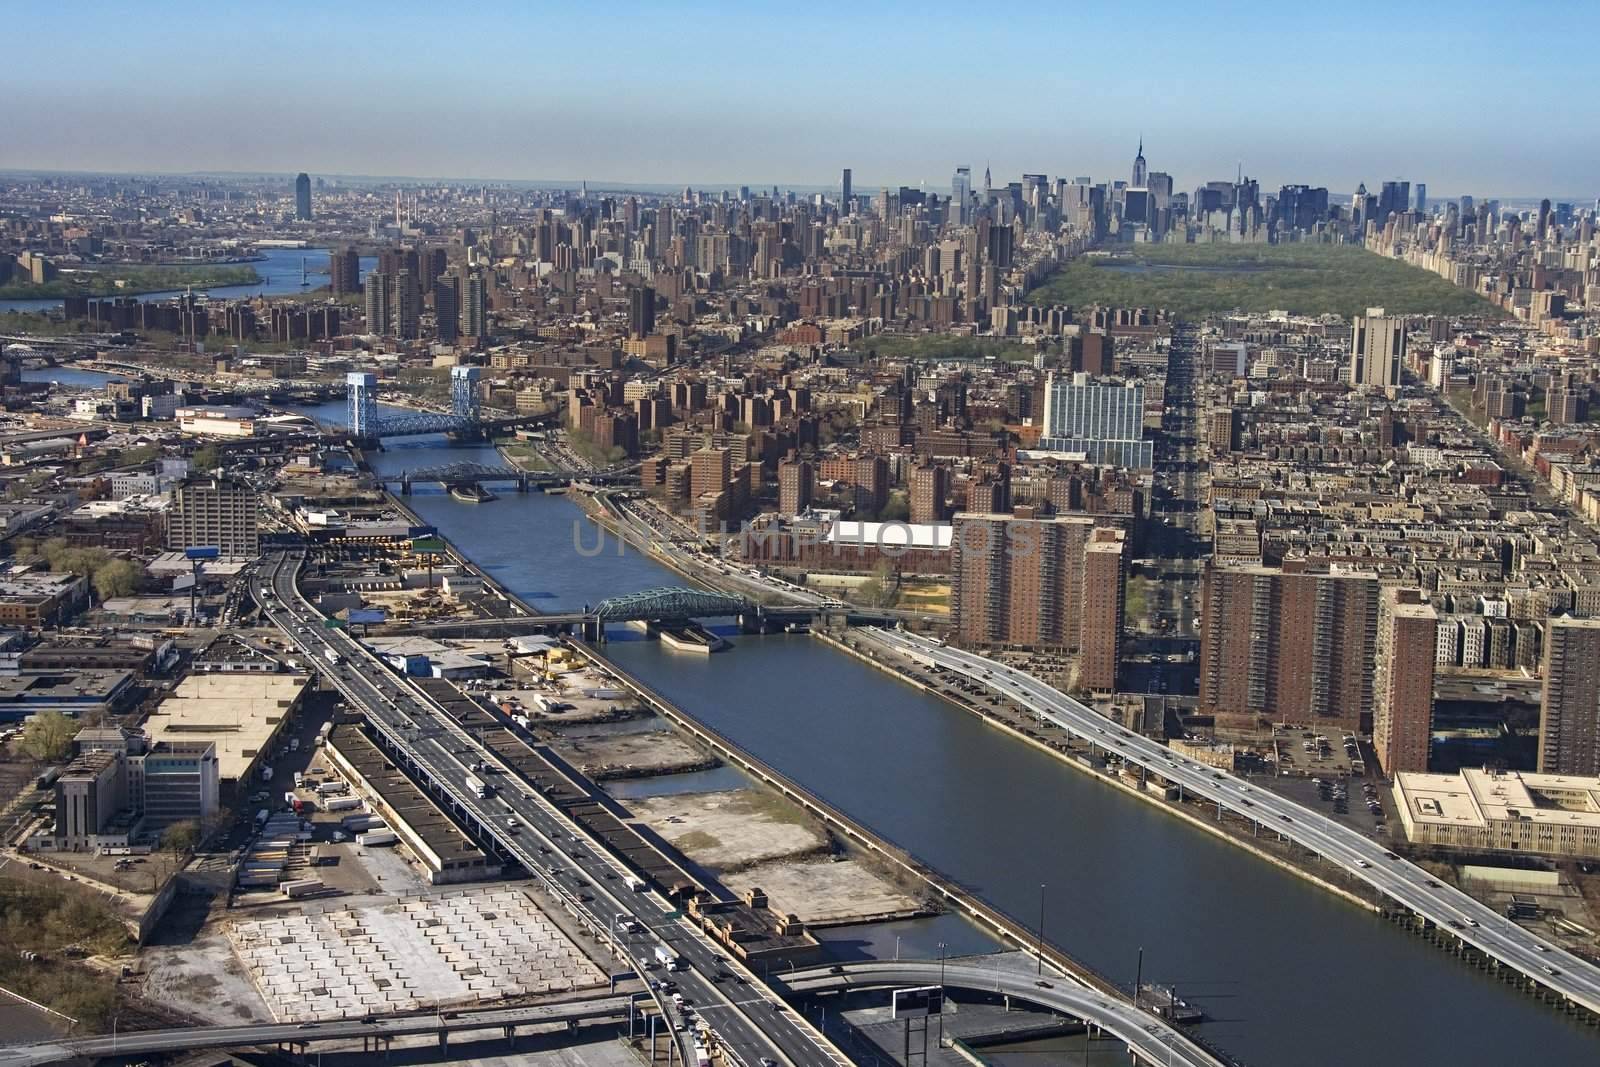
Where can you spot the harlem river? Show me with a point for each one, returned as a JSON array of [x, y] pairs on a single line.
[[1289, 973]]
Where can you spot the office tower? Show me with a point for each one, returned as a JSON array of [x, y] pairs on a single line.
[[1392, 197], [475, 306], [1422, 198], [1288, 644], [961, 195], [641, 312], [930, 487], [845, 206], [447, 308], [344, 271], [1402, 699], [796, 483], [302, 197], [1377, 349], [1569, 717], [215, 512], [1035, 583], [1141, 172], [1103, 420]]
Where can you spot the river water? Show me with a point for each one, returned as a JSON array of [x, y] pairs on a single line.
[[1291, 974], [279, 271]]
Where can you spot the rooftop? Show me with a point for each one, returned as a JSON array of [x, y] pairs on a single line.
[[239, 711], [1476, 798]]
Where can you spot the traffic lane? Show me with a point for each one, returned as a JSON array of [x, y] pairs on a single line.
[[1409, 884], [531, 808]]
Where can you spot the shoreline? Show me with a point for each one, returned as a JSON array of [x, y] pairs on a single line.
[[1110, 779]]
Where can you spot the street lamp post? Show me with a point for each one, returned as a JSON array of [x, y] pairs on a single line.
[[1040, 947]]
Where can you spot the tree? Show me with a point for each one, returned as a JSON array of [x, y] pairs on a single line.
[[181, 837], [48, 736], [205, 458], [119, 577]]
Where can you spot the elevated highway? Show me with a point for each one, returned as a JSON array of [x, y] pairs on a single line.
[[1543, 965], [1150, 1039], [526, 828], [377, 1029]]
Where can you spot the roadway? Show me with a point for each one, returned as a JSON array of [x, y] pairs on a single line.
[[1151, 1037], [748, 1018], [183, 1039], [1449, 909]]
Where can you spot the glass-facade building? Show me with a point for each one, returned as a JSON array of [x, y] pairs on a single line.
[[1104, 420]]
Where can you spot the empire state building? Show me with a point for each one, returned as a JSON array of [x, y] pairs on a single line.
[[1141, 173]]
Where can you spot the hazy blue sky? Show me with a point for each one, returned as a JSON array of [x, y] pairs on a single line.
[[1466, 96]]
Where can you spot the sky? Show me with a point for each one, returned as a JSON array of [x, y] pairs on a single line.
[[1465, 96]]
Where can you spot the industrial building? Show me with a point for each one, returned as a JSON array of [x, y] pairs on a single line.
[[1503, 811]]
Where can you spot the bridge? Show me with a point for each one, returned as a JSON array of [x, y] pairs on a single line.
[[1150, 1039], [668, 604], [379, 1031], [463, 474]]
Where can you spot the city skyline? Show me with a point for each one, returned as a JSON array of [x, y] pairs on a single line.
[[1336, 116]]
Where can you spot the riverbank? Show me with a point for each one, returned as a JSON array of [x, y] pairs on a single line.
[[1067, 755], [131, 281]]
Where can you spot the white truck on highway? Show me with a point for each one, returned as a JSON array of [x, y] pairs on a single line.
[[478, 786], [668, 959], [333, 657]]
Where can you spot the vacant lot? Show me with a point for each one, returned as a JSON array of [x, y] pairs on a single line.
[[1305, 279]]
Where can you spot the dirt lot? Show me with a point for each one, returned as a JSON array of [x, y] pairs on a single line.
[[822, 892], [731, 831], [630, 755]]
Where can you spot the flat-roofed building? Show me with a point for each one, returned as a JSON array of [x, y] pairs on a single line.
[[215, 512], [241, 713], [1502, 811]]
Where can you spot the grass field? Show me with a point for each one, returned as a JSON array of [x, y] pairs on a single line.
[[130, 281], [1305, 279]]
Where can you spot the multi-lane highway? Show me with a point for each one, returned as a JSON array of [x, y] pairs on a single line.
[[1153, 1039], [749, 1020], [188, 1038], [1448, 908]]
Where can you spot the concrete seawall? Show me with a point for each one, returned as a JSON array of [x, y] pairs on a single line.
[[1109, 779]]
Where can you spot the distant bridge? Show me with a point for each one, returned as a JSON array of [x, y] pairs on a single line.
[[669, 604], [464, 474]]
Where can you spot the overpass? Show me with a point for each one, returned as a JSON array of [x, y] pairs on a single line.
[[1542, 967], [428, 743], [378, 1030], [1150, 1039]]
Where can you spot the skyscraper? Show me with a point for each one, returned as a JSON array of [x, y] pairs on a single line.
[[1402, 699], [302, 197], [1422, 198], [475, 307], [1141, 171], [1569, 716], [641, 312], [844, 193], [447, 307], [961, 195], [344, 270], [1377, 349]]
